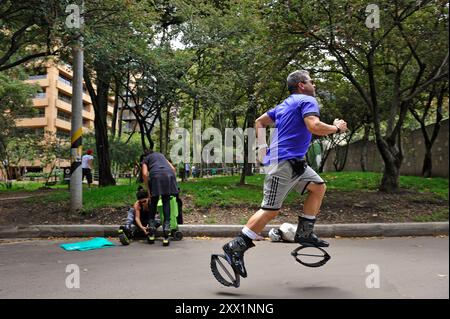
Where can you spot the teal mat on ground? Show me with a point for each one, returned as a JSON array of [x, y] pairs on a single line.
[[95, 243]]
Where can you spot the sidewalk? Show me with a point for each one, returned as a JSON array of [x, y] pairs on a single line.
[[336, 230]]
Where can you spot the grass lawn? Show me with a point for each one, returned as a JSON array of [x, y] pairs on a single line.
[[28, 186], [223, 190]]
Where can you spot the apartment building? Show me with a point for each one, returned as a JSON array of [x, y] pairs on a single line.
[[54, 106]]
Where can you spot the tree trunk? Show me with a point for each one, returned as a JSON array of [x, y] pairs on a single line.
[[363, 159], [427, 163], [249, 122], [324, 158], [392, 162], [161, 133], [116, 108], [341, 157], [100, 102], [390, 180], [120, 123], [167, 132]]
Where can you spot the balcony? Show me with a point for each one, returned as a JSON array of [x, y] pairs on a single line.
[[88, 115], [65, 125], [32, 122], [64, 87], [41, 80], [37, 77], [64, 105], [40, 101]]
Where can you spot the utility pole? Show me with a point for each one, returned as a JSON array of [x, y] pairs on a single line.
[[74, 20]]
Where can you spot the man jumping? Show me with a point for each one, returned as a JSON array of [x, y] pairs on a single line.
[[295, 119]]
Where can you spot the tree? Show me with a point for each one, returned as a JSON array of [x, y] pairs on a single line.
[[51, 150], [388, 66], [15, 101], [111, 31], [434, 95], [234, 66], [29, 31], [339, 99]]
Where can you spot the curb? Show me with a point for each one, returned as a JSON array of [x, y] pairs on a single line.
[[327, 231]]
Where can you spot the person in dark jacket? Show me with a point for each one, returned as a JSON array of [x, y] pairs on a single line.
[[160, 179]]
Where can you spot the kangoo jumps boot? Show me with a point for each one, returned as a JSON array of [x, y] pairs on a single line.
[[151, 231], [305, 235], [166, 230], [234, 251], [123, 238]]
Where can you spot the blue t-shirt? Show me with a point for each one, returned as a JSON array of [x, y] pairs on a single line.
[[293, 137]]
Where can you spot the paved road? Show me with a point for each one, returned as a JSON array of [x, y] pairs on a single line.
[[408, 267]]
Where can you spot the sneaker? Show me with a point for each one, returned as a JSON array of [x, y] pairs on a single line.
[[234, 252], [305, 235]]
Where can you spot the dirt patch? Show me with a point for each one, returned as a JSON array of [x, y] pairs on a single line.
[[338, 207]]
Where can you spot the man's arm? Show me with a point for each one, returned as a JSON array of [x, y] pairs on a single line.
[[319, 128], [262, 122]]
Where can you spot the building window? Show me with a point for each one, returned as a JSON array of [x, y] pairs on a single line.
[[86, 107], [86, 124], [38, 131], [64, 97], [64, 135], [63, 115], [40, 112], [64, 79], [37, 77]]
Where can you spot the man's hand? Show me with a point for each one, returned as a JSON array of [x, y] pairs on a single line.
[[261, 153], [145, 230], [341, 125]]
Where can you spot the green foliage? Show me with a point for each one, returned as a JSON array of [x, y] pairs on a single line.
[[213, 191], [15, 101], [108, 196], [436, 216], [123, 155], [29, 186], [29, 30]]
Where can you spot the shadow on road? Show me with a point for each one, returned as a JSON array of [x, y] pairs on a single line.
[[231, 294], [321, 292]]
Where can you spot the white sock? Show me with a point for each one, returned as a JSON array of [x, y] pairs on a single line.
[[249, 233], [312, 217]]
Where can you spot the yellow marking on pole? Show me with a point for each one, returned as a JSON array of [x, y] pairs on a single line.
[[76, 135]]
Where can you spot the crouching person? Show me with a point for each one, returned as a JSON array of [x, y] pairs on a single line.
[[136, 225]]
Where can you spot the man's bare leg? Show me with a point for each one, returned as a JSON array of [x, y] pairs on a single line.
[[313, 200], [304, 234], [234, 250], [260, 219]]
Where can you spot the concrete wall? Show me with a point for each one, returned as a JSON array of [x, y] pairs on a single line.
[[414, 152]]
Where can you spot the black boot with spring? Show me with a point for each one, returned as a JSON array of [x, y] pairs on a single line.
[[166, 230], [234, 251], [124, 235], [305, 235], [151, 231]]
